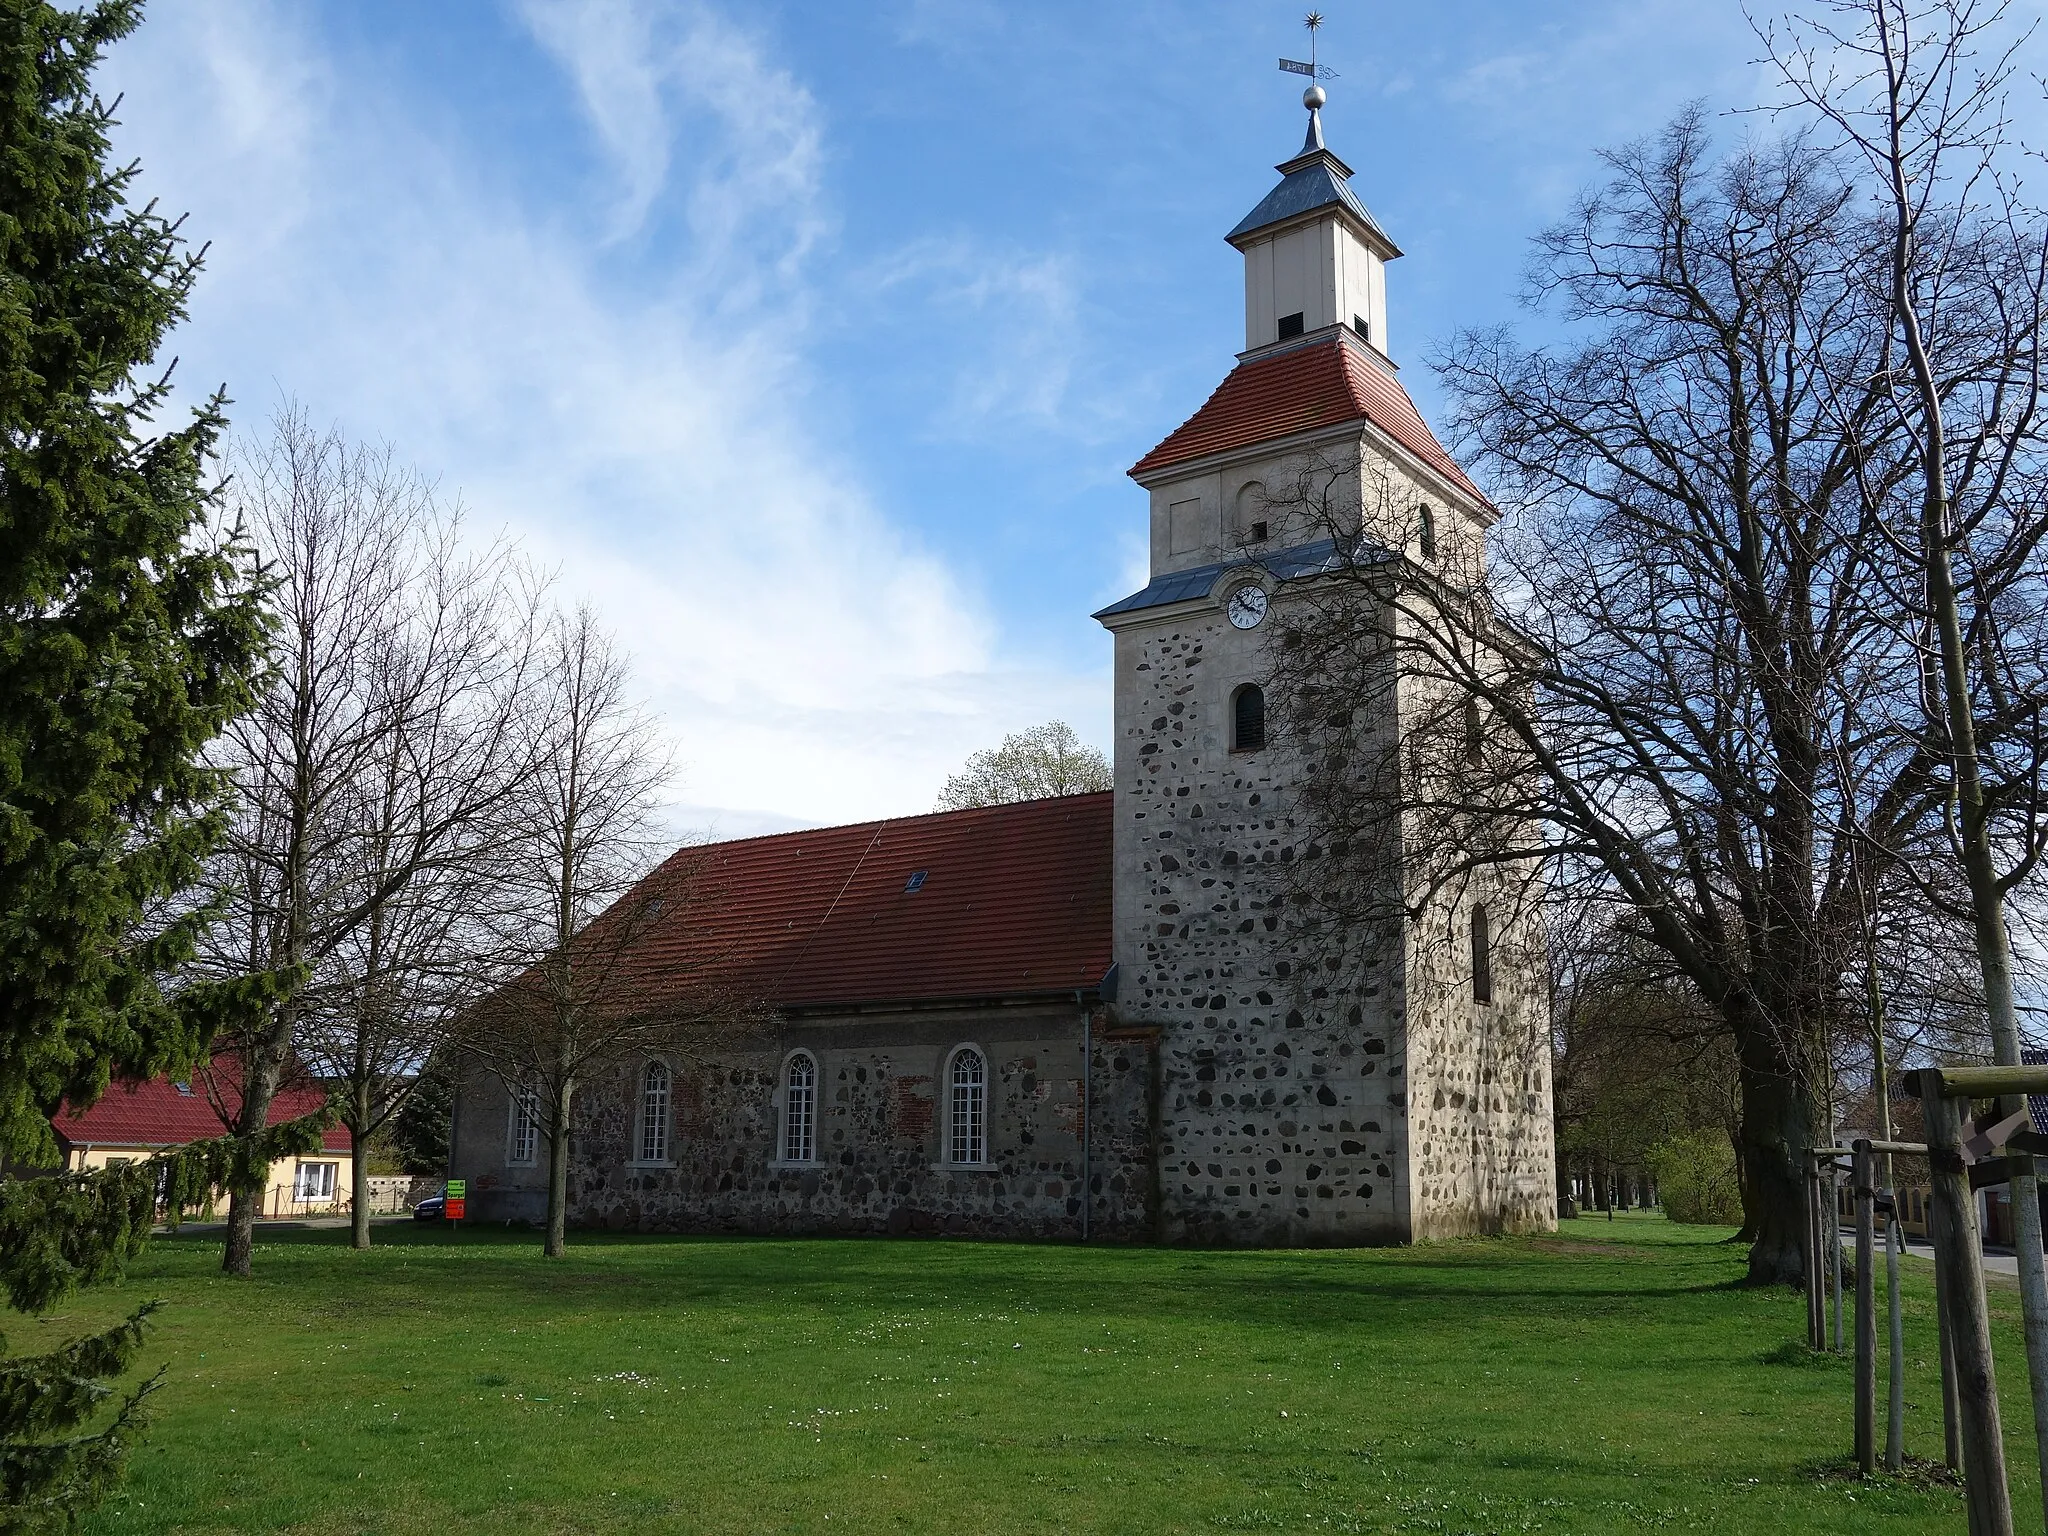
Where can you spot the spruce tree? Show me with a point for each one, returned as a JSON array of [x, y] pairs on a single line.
[[128, 636]]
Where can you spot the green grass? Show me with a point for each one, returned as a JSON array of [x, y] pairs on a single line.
[[1611, 1379]]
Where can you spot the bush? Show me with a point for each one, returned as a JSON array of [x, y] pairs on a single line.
[[1696, 1179]]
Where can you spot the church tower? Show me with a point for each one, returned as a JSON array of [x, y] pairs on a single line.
[[1406, 1093]]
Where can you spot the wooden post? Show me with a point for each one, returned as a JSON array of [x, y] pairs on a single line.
[[1895, 1417], [1960, 1260], [1866, 1313], [1951, 1426], [1833, 1244], [1816, 1335]]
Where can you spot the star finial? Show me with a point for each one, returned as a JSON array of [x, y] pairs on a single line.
[[1314, 97]]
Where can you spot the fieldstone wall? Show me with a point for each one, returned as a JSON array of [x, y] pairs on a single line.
[[1481, 1144], [879, 1138], [1282, 1095]]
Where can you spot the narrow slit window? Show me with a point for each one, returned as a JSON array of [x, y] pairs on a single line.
[[1475, 734], [800, 1109], [1290, 325], [1248, 719], [654, 1101], [1428, 534], [1361, 325], [967, 1108], [1482, 956]]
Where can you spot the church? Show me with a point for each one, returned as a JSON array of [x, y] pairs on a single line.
[[1092, 1017]]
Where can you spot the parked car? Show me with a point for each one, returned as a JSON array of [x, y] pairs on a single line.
[[430, 1209]]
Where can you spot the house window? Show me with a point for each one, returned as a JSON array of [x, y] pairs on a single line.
[[525, 1122], [1482, 957], [1290, 325], [967, 1108], [1248, 718], [1428, 534], [800, 1109], [654, 1114], [315, 1182]]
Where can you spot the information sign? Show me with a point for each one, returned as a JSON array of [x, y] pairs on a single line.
[[453, 1203]]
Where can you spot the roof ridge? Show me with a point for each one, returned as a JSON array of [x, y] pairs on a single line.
[[854, 826]]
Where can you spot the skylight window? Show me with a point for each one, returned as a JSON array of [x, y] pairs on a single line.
[[184, 1088], [915, 882]]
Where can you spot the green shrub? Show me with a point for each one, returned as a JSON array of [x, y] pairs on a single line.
[[1696, 1179]]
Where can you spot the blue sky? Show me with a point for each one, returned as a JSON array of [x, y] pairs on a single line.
[[811, 342]]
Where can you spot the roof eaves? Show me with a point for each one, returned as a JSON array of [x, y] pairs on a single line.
[[1151, 474]]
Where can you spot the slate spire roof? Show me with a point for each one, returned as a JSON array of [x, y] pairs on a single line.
[[1313, 179]]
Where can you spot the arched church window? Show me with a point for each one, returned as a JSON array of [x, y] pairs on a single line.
[[524, 1133], [967, 1107], [1248, 718], [800, 1109], [1250, 512], [1427, 537], [654, 1101], [1475, 734], [1482, 956]]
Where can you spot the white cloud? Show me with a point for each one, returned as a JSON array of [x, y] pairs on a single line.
[[1016, 317], [649, 436]]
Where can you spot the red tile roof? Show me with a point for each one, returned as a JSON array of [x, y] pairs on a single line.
[[160, 1114], [1015, 899], [1324, 384]]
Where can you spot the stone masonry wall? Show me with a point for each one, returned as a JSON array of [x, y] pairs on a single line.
[[1282, 1086], [1480, 1137], [879, 1138]]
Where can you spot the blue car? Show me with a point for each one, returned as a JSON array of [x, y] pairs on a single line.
[[430, 1209]]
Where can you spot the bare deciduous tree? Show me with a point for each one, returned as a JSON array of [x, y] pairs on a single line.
[[375, 761], [424, 823], [580, 915], [1914, 97], [1647, 682]]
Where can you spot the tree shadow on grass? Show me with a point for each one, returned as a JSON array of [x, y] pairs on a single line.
[[410, 1266]]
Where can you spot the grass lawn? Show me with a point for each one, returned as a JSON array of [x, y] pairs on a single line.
[[1609, 1379]]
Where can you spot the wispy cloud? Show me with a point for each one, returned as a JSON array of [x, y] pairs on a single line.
[[647, 434]]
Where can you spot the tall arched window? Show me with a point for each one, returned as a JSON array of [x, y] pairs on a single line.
[[654, 1114], [1482, 957], [1475, 735], [1248, 718], [1428, 534], [800, 1109], [967, 1108], [525, 1130]]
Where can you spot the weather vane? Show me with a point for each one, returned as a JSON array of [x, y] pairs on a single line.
[[1312, 69]]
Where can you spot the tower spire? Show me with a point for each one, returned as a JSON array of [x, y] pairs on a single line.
[[1314, 97]]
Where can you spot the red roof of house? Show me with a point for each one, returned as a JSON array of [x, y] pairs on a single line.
[[1324, 384], [162, 1114], [1014, 899]]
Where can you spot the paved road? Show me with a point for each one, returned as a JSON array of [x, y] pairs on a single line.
[[1997, 1261]]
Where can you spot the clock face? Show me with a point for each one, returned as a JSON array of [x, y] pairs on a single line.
[[1247, 606]]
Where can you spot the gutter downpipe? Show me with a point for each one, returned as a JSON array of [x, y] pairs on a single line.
[[1087, 1104]]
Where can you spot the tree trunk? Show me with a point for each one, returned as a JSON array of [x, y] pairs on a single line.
[[359, 1163], [359, 1184], [1776, 1132], [245, 1199], [558, 1176]]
